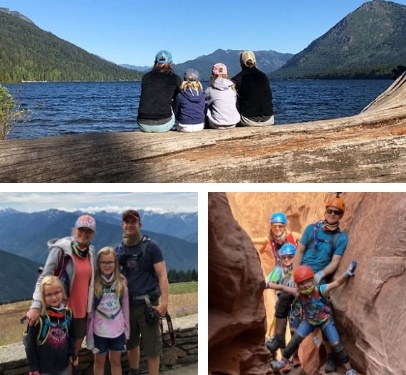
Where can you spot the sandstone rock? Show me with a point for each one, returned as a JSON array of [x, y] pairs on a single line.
[[236, 307], [368, 308]]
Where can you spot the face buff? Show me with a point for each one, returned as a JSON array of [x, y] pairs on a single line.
[[307, 290], [133, 239]]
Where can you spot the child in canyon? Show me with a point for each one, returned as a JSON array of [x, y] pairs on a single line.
[[281, 274], [317, 313]]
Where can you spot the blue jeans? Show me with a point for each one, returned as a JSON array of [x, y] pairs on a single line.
[[328, 328]]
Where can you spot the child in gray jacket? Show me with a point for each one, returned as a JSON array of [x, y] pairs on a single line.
[[221, 100]]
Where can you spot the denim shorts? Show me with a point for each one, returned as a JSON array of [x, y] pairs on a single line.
[[328, 328], [104, 344]]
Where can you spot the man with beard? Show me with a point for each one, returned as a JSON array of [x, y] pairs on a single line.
[[143, 265]]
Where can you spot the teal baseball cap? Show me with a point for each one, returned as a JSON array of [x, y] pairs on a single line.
[[163, 57]]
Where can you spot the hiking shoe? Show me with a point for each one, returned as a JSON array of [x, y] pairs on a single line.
[[351, 372], [296, 362], [277, 365], [275, 343], [330, 365]]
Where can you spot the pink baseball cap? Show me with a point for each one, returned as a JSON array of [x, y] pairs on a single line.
[[219, 68], [86, 221]]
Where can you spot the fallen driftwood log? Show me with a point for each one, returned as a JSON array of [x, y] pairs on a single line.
[[369, 147]]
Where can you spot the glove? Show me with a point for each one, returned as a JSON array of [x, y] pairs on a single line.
[[318, 276], [291, 283], [351, 269]]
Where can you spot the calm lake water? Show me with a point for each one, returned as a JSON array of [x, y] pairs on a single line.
[[82, 107]]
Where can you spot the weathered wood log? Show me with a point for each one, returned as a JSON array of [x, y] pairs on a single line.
[[368, 147]]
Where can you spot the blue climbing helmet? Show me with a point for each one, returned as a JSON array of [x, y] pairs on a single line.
[[278, 217], [287, 249]]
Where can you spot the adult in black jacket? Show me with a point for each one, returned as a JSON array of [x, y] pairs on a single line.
[[254, 94], [159, 88]]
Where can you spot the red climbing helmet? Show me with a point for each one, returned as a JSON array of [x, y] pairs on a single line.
[[302, 273]]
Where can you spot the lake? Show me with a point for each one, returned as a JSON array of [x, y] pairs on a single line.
[[85, 107]]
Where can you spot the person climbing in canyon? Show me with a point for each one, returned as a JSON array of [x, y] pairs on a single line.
[[278, 236], [321, 247], [281, 274], [317, 312]]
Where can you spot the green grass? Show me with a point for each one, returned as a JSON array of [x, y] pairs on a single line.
[[181, 288]]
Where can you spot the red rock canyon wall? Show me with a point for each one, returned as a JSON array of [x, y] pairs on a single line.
[[369, 309]]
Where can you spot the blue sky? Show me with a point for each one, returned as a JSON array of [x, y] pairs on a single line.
[[132, 31], [91, 201]]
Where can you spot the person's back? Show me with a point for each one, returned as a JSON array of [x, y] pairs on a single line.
[[159, 88], [254, 100], [221, 99], [190, 103], [157, 91]]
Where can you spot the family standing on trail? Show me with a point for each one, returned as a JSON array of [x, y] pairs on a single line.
[[167, 103], [320, 248], [78, 294]]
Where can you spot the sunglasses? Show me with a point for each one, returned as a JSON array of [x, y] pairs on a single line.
[[287, 257], [335, 212]]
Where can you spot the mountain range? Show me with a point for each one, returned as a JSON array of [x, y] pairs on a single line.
[[26, 234], [267, 61], [29, 53], [368, 42], [17, 277]]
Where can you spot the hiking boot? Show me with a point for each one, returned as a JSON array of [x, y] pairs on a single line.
[[296, 362], [330, 365], [277, 365], [275, 343], [351, 372]]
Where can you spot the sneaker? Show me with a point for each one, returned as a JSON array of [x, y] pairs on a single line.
[[275, 343], [296, 362], [277, 365], [330, 365], [351, 372]]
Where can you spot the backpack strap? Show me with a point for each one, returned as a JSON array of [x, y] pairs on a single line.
[[145, 240], [171, 341], [314, 239], [61, 264], [278, 260], [61, 273]]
